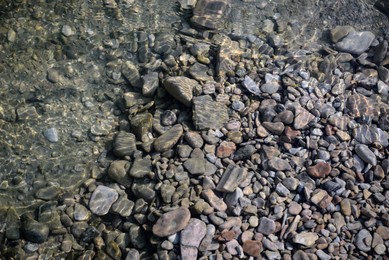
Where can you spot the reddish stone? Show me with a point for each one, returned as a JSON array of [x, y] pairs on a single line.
[[320, 170], [291, 133], [227, 235], [252, 248], [225, 149]]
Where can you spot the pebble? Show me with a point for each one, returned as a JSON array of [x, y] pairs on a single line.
[[306, 239], [172, 222], [225, 149], [51, 135], [366, 154], [267, 226], [102, 199], [232, 177], [252, 248], [193, 233], [168, 139], [319, 170], [181, 88], [34, 231], [355, 42], [209, 114], [279, 164], [363, 240]]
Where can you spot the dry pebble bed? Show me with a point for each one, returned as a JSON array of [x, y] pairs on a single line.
[[230, 148]]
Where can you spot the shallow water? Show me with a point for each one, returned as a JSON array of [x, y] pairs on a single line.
[[51, 77]]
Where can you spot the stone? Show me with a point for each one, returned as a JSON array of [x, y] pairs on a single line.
[[167, 140], [368, 134], [306, 239], [252, 248], [140, 168], [251, 86], [118, 172], [209, 114], [267, 226], [232, 177], [339, 32], [294, 208], [141, 125], [363, 240], [194, 139], [193, 233], [196, 166], [282, 190], [383, 232], [345, 207], [51, 135], [320, 198], [225, 149], [355, 42], [244, 153], [276, 128], [48, 193], [319, 170], [216, 202], [181, 88], [81, 213], [302, 118], [102, 199], [124, 144], [285, 117], [279, 164], [135, 99], [150, 84], [34, 231], [366, 154], [172, 222], [131, 74], [199, 72], [123, 207]]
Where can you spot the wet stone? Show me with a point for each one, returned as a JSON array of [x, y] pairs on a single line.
[[51, 135], [232, 177], [366, 134], [150, 84], [168, 139], [81, 213], [251, 86], [102, 199], [118, 172], [171, 222], [141, 124], [131, 73], [181, 88], [199, 72], [48, 193], [339, 32], [124, 144], [34, 231], [209, 114], [194, 139], [140, 168], [355, 42], [168, 118], [216, 202], [123, 206]]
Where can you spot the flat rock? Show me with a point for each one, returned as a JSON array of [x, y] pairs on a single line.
[[267, 226], [252, 248], [209, 114], [355, 42], [232, 177], [306, 239], [123, 206], [193, 233], [171, 222], [368, 134], [118, 172], [244, 153], [225, 149], [181, 88], [150, 84], [196, 166], [102, 199], [168, 139], [279, 164], [213, 200], [124, 144]]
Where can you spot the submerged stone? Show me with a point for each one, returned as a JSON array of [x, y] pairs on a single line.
[[209, 114]]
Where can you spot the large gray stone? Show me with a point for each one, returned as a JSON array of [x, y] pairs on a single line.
[[355, 42], [172, 222], [168, 139]]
